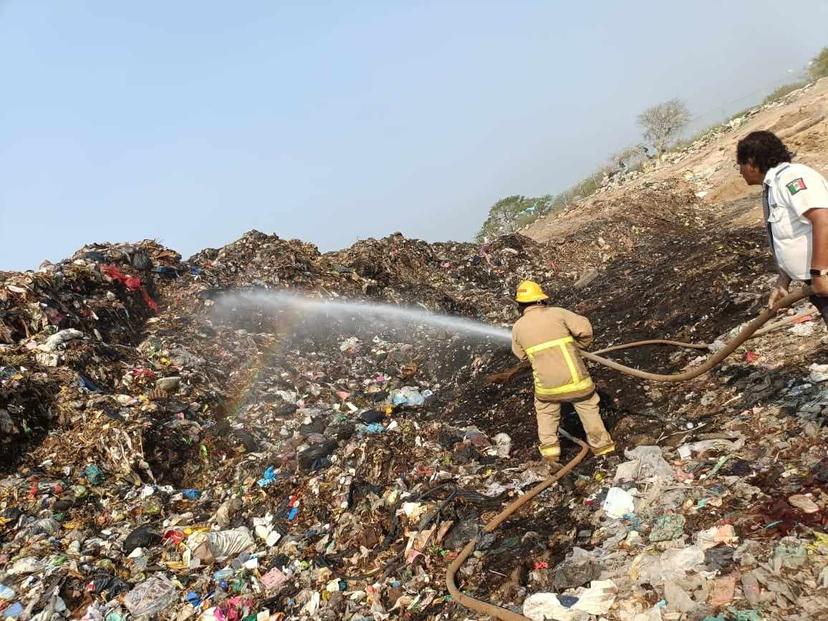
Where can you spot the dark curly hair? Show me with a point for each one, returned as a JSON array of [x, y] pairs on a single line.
[[762, 149], [522, 306]]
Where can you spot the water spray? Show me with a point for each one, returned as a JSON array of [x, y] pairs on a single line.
[[388, 314]]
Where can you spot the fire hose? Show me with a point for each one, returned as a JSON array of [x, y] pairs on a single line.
[[484, 607], [751, 330]]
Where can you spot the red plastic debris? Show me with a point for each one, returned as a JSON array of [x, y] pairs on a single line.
[[143, 373], [173, 536], [803, 319], [133, 283], [148, 300]]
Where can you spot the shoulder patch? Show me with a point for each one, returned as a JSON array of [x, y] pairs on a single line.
[[796, 185]]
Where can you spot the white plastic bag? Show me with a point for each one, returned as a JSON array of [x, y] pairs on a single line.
[[151, 596], [618, 503]]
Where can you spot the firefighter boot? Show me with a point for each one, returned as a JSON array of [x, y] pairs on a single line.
[[606, 449], [550, 452]]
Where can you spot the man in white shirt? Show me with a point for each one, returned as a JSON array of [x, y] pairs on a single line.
[[795, 203]]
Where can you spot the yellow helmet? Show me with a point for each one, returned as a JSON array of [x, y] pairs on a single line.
[[530, 291]]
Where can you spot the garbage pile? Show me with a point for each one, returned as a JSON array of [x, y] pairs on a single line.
[[170, 450], [730, 525], [162, 460]]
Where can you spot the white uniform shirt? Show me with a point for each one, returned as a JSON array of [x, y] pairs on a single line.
[[789, 191]]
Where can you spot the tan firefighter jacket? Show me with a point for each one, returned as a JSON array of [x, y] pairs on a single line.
[[550, 337]]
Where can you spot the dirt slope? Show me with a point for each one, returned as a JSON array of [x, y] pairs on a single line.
[[706, 167]]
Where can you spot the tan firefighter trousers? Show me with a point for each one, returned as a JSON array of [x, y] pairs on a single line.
[[549, 416]]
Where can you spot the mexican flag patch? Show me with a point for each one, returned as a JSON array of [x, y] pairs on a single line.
[[796, 185]]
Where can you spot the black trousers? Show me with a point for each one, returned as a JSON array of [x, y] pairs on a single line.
[[822, 306], [820, 303]]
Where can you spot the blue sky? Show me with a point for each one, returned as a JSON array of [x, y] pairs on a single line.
[[192, 122]]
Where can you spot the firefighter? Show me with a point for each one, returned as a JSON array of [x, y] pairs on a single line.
[[550, 338]]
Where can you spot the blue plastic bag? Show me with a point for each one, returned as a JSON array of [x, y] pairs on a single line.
[[268, 477]]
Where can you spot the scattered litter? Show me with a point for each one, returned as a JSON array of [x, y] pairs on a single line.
[[723, 591], [802, 329], [173, 452], [618, 503], [268, 477], [578, 569], [715, 535], [646, 463], [151, 597], [803, 503], [819, 372], [667, 527], [409, 396]]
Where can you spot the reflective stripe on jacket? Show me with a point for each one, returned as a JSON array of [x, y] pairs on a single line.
[[549, 337]]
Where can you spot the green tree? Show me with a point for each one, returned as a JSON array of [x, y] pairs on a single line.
[[818, 67], [513, 212]]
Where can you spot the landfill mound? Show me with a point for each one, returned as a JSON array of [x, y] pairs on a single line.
[[179, 439], [160, 456], [166, 458]]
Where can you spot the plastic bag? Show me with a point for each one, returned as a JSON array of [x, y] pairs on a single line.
[[671, 565], [543, 606], [409, 395], [677, 598], [667, 527], [646, 462], [686, 451], [715, 535], [503, 445], [268, 477], [598, 598], [226, 543], [618, 503], [141, 537], [151, 596], [577, 569], [61, 338], [819, 372]]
